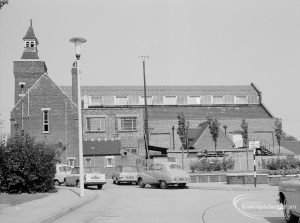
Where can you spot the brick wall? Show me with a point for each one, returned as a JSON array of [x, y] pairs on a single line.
[[63, 119]]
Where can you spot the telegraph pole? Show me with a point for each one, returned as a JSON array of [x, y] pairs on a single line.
[[146, 130]]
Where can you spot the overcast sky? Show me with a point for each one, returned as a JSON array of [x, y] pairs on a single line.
[[190, 42]]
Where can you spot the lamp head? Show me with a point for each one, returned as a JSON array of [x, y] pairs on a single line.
[[77, 41]]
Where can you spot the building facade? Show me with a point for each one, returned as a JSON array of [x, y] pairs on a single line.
[[116, 113]]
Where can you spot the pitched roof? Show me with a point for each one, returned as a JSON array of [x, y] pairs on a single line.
[[30, 33], [201, 112], [102, 148], [293, 146], [240, 90]]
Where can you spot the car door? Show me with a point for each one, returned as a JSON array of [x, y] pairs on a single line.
[[149, 175], [159, 172]]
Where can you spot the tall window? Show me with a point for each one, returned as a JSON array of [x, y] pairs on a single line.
[[88, 161], [126, 123], [46, 117], [95, 124], [109, 161], [71, 161]]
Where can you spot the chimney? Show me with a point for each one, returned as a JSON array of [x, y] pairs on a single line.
[[74, 83]]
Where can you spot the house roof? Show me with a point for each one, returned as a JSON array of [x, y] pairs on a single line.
[[293, 146], [201, 112], [102, 148], [240, 90]]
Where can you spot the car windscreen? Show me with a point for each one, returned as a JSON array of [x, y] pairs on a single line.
[[129, 169], [174, 166]]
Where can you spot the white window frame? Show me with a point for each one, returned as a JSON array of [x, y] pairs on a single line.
[[119, 100], [92, 102], [71, 161], [142, 100], [240, 96], [101, 124], [218, 97], [109, 161], [120, 124], [173, 102], [88, 163], [46, 122], [194, 100]]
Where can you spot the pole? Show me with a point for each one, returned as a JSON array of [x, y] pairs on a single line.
[[254, 165], [146, 130], [81, 180]]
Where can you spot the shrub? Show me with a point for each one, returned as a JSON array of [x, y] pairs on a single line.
[[280, 172], [208, 165], [29, 165], [277, 164]]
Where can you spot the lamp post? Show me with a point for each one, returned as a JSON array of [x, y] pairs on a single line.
[[78, 41]]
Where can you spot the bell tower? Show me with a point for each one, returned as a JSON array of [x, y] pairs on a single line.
[[29, 68]]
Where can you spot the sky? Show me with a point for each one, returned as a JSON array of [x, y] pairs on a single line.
[[189, 42]]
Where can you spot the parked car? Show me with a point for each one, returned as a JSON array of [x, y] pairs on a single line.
[[164, 174], [289, 196], [92, 177], [62, 171], [125, 174]]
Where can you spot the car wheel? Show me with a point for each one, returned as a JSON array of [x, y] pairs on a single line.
[[288, 215], [99, 186], [163, 184], [117, 181], [56, 183], [141, 183], [181, 186], [114, 182], [77, 183]]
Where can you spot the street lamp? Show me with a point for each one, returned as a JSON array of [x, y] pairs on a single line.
[[78, 41]]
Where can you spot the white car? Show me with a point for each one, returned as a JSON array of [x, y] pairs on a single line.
[[92, 177], [125, 174], [62, 171]]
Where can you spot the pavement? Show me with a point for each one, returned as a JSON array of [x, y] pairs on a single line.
[[68, 199]]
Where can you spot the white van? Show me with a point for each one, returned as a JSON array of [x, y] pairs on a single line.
[[62, 171]]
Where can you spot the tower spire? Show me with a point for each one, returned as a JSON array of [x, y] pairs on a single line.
[[30, 50]]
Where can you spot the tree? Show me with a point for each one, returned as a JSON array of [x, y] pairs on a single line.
[[214, 126], [182, 131], [244, 126], [288, 137], [278, 132]]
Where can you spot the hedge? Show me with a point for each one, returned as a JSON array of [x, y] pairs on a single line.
[[26, 166], [213, 164]]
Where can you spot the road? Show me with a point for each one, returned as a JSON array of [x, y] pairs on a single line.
[[129, 203]]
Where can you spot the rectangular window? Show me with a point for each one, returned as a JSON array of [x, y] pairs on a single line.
[[127, 123], [71, 161], [88, 161], [95, 124], [241, 100], [170, 100], [218, 100], [109, 161], [27, 44], [142, 100], [95, 101], [31, 44], [121, 101], [193, 100], [46, 118]]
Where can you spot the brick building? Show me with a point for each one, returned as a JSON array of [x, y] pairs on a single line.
[[116, 114]]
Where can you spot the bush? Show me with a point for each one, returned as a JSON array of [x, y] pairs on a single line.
[[208, 165], [278, 164], [29, 166]]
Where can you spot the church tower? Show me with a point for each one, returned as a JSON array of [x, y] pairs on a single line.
[[29, 68]]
